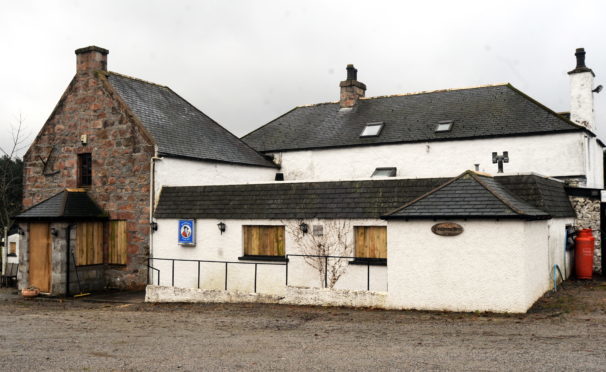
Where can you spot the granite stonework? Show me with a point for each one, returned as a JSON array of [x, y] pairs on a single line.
[[588, 217], [121, 150]]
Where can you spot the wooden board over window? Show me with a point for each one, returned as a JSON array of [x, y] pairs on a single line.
[[117, 242], [89, 243], [371, 241], [263, 240], [12, 248]]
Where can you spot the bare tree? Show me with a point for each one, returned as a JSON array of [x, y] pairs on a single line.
[[332, 239], [11, 182]]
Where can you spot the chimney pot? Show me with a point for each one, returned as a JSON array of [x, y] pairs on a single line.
[[91, 58], [580, 54]]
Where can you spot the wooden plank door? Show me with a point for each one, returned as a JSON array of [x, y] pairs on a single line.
[[39, 256]]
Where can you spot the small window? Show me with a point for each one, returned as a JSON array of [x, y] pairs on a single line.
[[85, 169], [89, 243], [372, 129], [12, 249], [371, 242], [444, 126], [318, 230], [384, 172], [263, 241]]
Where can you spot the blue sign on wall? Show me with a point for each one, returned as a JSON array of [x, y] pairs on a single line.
[[187, 232]]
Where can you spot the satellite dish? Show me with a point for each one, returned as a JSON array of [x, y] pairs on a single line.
[[598, 89]]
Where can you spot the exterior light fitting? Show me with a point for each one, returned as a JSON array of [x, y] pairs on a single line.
[[222, 227], [304, 227]]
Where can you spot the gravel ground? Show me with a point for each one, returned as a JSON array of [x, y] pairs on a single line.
[[565, 331]]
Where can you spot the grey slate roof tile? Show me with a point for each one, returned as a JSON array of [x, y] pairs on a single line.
[[65, 205], [466, 196], [366, 199], [179, 128], [490, 111]]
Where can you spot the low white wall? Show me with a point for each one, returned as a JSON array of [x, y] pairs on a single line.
[[485, 268], [184, 172], [292, 296], [550, 155], [271, 279]]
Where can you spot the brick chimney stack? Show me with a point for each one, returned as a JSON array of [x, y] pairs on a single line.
[[91, 58], [351, 89], [581, 92]]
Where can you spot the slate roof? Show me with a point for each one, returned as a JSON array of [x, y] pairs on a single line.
[[68, 204], [469, 195], [179, 128], [543, 193], [280, 200], [358, 199], [491, 111]]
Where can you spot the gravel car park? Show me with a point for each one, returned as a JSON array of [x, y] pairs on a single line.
[[564, 331]]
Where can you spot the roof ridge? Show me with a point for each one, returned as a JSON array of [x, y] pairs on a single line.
[[430, 192], [411, 94], [496, 195], [136, 79]]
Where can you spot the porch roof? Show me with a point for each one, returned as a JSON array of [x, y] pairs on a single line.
[[69, 204]]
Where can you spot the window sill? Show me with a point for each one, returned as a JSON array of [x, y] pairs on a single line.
[[263, 258], [369, 261]]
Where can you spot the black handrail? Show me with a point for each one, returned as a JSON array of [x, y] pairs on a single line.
[[210, 261], [153, 268]]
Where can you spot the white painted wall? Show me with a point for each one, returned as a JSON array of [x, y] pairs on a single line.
[[581, 99], [550, 155], [556, 232], [212, 245], [16, 238], [492, 266], [184, 172], [594, 163]]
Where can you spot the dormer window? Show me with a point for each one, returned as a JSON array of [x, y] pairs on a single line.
[[372, 129], [444, 126], [384, 172]]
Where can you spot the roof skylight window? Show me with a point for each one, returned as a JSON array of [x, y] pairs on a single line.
[[384, 172], [444, 125], [372, 129]]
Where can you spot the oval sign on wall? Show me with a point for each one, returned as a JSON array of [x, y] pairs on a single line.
[[447, 229]]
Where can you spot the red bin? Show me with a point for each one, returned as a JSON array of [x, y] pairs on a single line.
[[583, 254]]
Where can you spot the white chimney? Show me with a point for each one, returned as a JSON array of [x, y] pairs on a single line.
[[581, 93]]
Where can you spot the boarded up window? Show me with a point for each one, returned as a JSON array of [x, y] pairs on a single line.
[[12, 248], [371, 241], [89, 243], [117, 242], [263, 240]]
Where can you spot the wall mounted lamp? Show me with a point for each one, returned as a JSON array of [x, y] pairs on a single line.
[[304, 227], [54, 232], [21, 231], [154, 226], [222, 227]]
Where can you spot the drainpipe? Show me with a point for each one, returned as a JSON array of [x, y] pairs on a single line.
[[152, 197]]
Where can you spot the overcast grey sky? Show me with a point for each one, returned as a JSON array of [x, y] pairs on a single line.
[[244, 63]]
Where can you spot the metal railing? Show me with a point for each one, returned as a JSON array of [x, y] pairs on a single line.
[[325, 257], [226, 263], [286, 264]]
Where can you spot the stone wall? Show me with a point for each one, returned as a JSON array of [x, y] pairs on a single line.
[[121, 152], [588, 217]]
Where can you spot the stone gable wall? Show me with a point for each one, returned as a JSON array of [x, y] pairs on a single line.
[[121, 153], [588, 217]]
